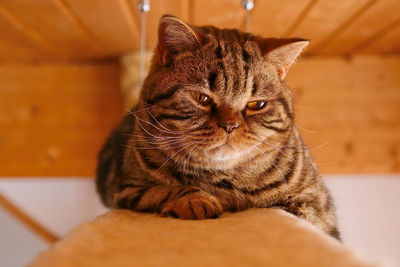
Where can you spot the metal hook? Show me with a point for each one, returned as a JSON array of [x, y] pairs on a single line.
[[144, 7], [248, 5]]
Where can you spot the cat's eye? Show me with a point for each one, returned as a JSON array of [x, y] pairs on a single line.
[[201, 98], [256, 105]]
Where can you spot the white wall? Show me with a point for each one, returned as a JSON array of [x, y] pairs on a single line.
[[17, 244], [369, 214]]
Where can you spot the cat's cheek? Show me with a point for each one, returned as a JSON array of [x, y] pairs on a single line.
[[261, 131]]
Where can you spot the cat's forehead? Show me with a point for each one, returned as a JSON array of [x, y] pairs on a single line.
[[228, 35], [229, 65], [236, 70]]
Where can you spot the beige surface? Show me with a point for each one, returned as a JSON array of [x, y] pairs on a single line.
[[257, 237]]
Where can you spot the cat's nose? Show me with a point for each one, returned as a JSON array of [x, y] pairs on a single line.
[[229, 126]]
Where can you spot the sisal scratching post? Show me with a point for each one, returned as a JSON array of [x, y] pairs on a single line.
[[256, 237]]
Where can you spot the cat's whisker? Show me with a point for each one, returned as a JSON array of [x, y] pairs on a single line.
[[150, 148], [294, 146], [135, 111], [154, 141], [185, 146], [272, 162], [146, 109], [195, 149], [318, 146], [279, 149], [166, 128], [158, 137], [184, 159], [161, 130], [151, 124], [308, 131], [275, 147], [160, 143], [166, 144], [142, 127]]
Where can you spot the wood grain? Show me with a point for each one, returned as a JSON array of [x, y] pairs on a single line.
[[220, 13], [111, 23], [54, 117], [354, 108], [88, 29], [57, 28], [158, 8], [19, 41], [276, 18], [388, 42], [324, 18], [29, 222], [373, 20]]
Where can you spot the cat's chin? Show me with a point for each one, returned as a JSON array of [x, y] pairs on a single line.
[[224, 153]]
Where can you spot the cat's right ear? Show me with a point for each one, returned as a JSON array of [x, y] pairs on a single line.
[[282, 52], [175, 36]]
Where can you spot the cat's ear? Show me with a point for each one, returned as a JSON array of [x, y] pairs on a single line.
[[175, 36], [282, 53]]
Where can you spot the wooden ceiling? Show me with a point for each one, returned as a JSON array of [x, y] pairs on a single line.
[[85, 29]]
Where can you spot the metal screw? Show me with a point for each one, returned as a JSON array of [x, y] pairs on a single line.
[[248, 4], [144, 5]]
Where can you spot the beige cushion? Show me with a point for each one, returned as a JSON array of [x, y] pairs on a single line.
[[256, 237]]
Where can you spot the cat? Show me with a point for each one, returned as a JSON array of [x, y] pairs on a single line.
[[214, 131]]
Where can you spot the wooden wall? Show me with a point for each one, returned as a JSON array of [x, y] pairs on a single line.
[[55, 116], [352, 106]]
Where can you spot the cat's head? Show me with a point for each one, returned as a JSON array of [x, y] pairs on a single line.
[[217, 96]]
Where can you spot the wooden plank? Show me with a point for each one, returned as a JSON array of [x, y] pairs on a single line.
[[56, 25], [17, 41], [80, 27], [186, 6], [275, 18], [158, 8], [387, 43], [353, 106], [324, 18], [301, 17], [373, 20], [16, 52], [110, 22], [219, 13], [28, 221], [54, 117]]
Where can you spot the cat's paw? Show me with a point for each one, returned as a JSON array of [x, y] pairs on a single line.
[[195, 205]]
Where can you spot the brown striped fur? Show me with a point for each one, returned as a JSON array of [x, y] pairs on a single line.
[[173, 156]]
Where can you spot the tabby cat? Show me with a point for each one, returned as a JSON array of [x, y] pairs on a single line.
[[214, 131]]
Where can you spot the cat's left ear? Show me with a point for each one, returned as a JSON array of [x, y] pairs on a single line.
[[175, 36], [283, 53]]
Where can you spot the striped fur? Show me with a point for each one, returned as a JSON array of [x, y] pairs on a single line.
[[170, 155]]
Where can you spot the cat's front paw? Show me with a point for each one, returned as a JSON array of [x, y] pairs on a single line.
[[195, 205]]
